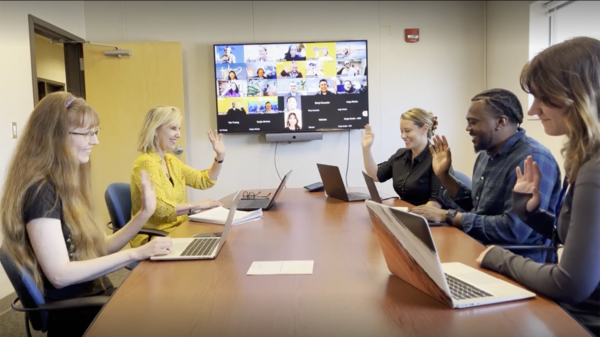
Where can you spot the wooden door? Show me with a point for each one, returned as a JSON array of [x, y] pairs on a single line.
[[122, 90]]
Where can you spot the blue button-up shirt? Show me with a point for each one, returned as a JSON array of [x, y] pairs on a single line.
[[488, 215]]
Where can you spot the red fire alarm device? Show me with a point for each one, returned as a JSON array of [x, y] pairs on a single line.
[[411, 35]]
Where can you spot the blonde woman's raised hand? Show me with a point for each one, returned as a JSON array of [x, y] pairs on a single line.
[[216, 139], [367, 137]]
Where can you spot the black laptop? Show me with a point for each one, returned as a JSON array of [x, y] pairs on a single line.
[[373, 189], [266, 203], [334, 185], [376, 198]]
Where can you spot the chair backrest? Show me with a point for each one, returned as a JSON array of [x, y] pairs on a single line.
[[118, 201], [29, 294], [463, 178]]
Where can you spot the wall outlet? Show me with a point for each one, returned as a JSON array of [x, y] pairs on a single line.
[[13, 127]]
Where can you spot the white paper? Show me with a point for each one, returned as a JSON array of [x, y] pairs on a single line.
[[403, 209], [246, 221], [218, 215], [281, 267]]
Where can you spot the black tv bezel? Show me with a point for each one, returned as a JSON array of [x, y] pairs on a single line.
[[214, 49]]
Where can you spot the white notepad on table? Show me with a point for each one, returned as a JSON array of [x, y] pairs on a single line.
[[281, 267], [218, 215]]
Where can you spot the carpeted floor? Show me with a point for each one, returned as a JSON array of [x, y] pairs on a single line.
[[12, 323]]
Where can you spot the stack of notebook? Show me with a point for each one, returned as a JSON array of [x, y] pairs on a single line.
[[218, 216]]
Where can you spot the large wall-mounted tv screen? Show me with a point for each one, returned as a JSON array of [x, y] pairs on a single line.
[[290, 87]]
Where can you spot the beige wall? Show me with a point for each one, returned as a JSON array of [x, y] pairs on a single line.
[[50, 60], [440, 73], [16, 89], [507, 51]]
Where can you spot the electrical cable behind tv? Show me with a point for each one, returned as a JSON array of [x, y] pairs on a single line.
[[348, 159], [275, 161]]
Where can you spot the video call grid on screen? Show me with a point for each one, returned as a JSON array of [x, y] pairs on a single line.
[[287, 87]]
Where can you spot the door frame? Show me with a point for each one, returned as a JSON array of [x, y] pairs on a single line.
[[75, 74]]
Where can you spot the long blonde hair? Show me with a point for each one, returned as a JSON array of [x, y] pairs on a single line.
[[421, 117], [569, 73], [156, 117], [43, 155]]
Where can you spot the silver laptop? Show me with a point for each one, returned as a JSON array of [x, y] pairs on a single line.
[[266, 203], [201, 248], [411, 255], [334, 185]]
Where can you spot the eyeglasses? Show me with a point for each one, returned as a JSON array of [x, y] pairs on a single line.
[[87, 135], [252, 195]]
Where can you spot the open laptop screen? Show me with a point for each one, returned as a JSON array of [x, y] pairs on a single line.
[[280, 188], [372, 188]]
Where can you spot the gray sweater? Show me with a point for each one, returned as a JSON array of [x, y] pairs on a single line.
[[575, 281]]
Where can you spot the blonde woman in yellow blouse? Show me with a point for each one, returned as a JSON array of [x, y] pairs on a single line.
[[170, 176]]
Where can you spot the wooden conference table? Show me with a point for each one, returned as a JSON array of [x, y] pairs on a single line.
[[350, 293]]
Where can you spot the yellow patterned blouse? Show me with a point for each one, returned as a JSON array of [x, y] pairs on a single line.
[[167, 195]]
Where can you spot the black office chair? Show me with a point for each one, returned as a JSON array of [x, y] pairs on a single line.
[[447, 202], [550, 247], [118, 202], [32, 301]]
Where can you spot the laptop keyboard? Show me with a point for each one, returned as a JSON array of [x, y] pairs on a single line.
[[255, 203], [200, 247], [462, 291]]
